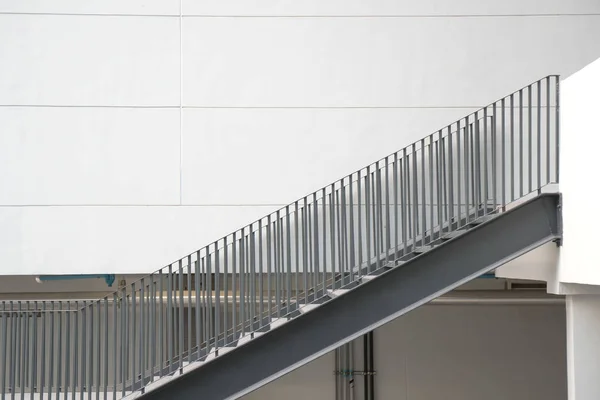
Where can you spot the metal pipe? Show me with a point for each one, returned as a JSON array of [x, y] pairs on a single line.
[[487, 296], [371, 369]]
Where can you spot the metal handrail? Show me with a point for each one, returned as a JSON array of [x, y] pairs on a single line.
[[265, 272]]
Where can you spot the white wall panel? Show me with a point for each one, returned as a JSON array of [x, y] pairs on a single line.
[[580, 142], [135, 7], [257, 156], [89, 156], [82, 240], [386, 7], [89, 60], [376, 61]]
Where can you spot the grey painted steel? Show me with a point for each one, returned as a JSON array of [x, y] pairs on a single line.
[[329, 239], [347, 317]]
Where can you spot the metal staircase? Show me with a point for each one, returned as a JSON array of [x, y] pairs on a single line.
[[309, 277]]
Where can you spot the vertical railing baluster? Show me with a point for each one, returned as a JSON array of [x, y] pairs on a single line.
[[380, 231], [288, 261], [548, 140], [494, 159], [59, 352], [123, 345], [269, 253], [34, 348], [169, 323], [503, 154], [438, 181], [226, 290], [142, 333], [4, 352], [458, 177], [324, 242], [98, 354], [18, 356], [217, 293], [161, 324], [530, 140], [339, 226], [403, 204], [209, 299], [485, 162], [23, 355], [396, 207], [387, 224], [12, 349], [332, 206], [295, 247], [512, 147], [51, 358], [189, 307], [76, 341], [424, 197], [466, 171], [105, 348], [197, 303], [115, 330], [243, 282], [233, 285], [444, 197], [180, 329], [368, 217], [359, 231], [521, 161], [431, 200], [305, 262], [415, 193], [557, 128], [134, 337], [261, 307], [539, 135]]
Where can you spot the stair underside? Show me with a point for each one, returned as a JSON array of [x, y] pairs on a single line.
[[362, 305]]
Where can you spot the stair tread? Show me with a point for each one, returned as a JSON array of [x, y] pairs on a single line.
[[277, 322], [308, 307], [453, 234], [337, 292], [422, 249]]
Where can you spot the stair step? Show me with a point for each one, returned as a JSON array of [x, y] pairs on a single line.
[[196, 364], [211, 355], [224, 350], [277, 322], [481, 220], [422, 249], [157, 382], [244, 339], [337, 292], [453, 234], [367, 278], [132, 395], [308, 307]]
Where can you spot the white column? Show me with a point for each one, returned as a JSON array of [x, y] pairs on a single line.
[[583, 346]]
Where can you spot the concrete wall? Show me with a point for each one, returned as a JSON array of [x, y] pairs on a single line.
[[579, 159], [134, 133], [491, 352]]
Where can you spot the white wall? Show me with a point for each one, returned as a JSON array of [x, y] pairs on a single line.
[[482, 352], [134, 133], [579, 160]]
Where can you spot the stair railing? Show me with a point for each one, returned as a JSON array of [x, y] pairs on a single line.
[[261, 275]]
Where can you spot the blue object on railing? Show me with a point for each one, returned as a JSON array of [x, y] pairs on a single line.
[[108, 278]]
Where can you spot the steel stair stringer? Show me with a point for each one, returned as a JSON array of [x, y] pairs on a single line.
[[372, 304]]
